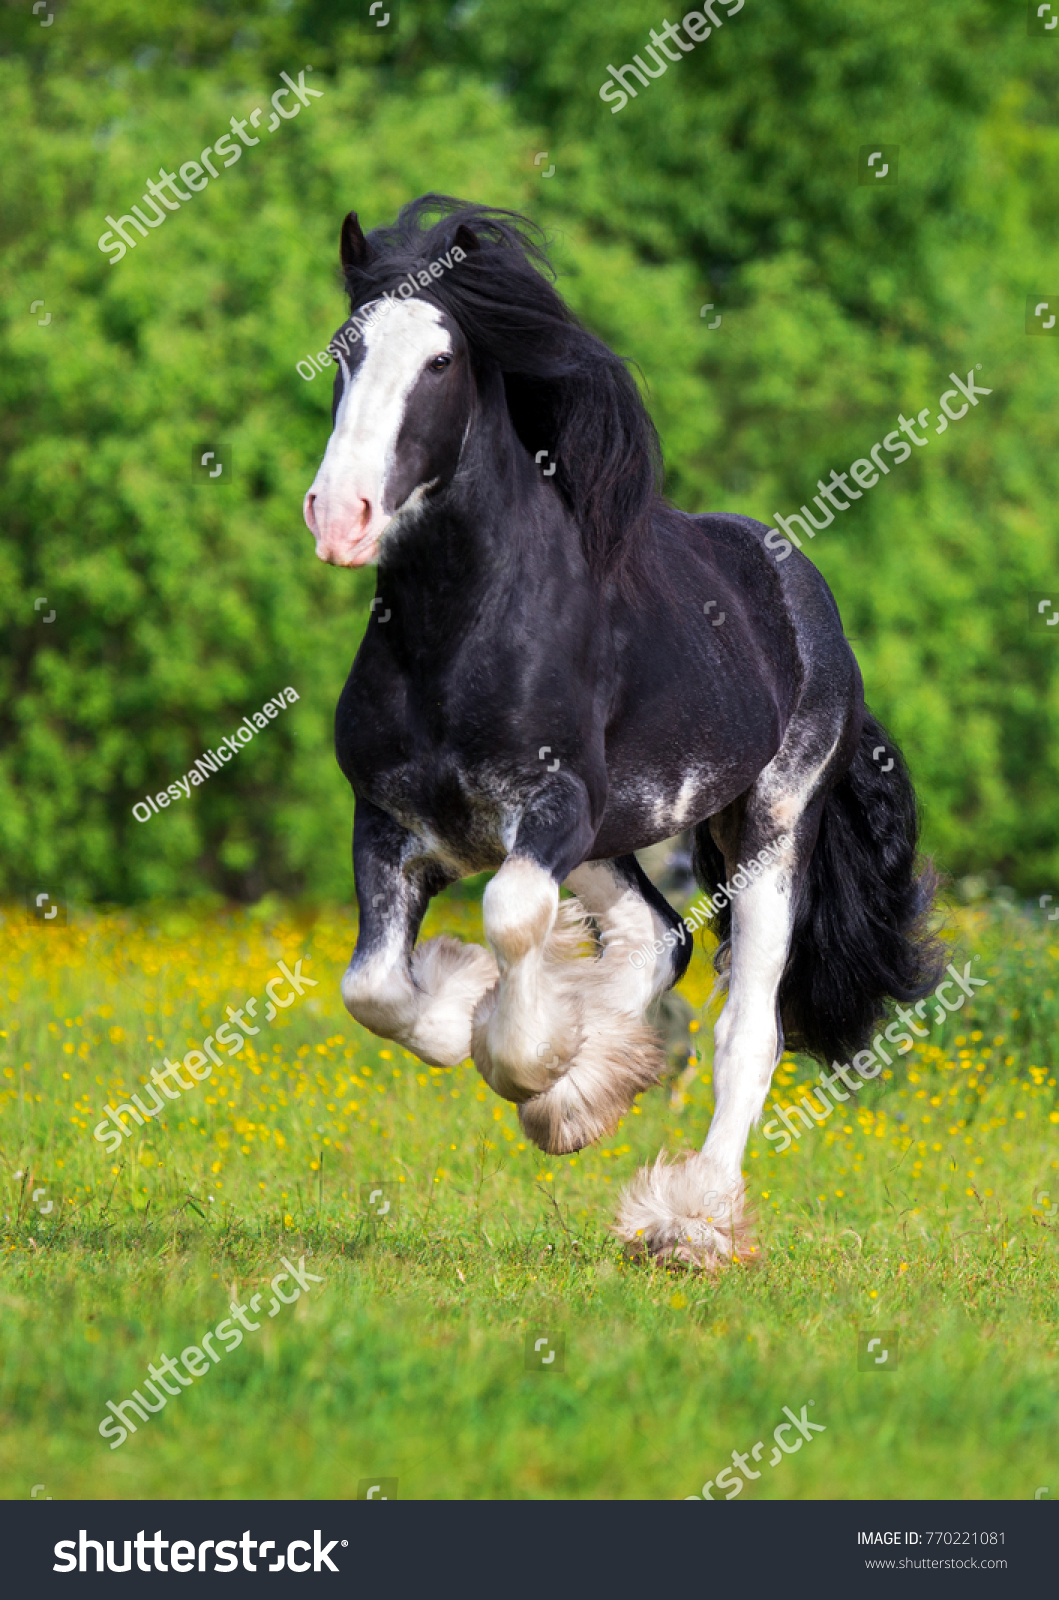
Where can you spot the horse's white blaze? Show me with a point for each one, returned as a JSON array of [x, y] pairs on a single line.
[[347, 508]]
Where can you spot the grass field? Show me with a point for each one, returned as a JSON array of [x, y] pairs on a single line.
[[931, 1211]]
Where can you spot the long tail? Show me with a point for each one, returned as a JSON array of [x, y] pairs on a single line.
[[859, 938]]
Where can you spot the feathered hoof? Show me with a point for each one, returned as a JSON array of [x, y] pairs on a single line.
[[584, 1097], [681, 1214], [450, 978], [614, 1063], [576, 1086]]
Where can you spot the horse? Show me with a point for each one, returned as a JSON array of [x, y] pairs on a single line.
[[561, 669]]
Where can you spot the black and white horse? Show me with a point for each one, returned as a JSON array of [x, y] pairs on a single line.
[[545, 687]]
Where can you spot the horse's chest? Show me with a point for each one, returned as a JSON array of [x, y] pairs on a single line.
[[422, 773], [456, 814]]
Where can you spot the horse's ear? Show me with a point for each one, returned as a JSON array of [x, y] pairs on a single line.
[[354, 250], [465, 239]]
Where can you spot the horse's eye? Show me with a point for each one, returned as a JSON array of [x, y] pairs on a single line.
[[439, 363]]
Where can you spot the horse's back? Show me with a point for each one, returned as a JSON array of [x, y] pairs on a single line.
[[787, 622]]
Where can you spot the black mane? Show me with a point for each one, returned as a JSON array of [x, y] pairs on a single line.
[[566, 392]]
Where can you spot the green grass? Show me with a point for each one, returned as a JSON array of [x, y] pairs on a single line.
[[915, 1213]]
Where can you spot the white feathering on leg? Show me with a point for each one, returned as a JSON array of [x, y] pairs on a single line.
[[597, 1060], [450, 977], [685, 1212], [427, 1007]]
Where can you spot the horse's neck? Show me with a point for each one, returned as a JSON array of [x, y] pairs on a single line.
[[498, 525]]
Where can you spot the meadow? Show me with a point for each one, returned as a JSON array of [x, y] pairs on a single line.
[[930, 1211]]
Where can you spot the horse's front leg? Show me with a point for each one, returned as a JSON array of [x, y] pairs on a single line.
[[557, 1035], [423, 997]]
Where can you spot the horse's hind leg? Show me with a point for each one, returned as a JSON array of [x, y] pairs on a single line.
[[634, 919], [693, 1210]]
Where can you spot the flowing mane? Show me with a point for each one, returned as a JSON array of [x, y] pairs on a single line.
[[566, 392]]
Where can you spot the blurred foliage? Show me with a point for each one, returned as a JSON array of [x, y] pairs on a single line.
[[180, 606]]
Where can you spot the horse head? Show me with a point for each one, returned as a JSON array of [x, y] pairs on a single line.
[[404, 392]]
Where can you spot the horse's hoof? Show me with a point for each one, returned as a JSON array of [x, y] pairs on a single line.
[[575, 1087], [681, 1214]]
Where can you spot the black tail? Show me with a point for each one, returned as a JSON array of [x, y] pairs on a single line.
[[859, 936]]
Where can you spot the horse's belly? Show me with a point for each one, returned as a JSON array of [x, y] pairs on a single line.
[[642, 811], [658, 788]]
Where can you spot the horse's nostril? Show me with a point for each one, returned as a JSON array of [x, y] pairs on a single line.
[[307, 512]]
